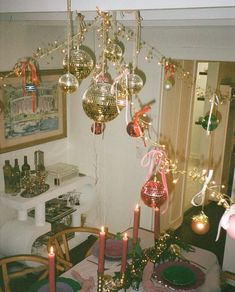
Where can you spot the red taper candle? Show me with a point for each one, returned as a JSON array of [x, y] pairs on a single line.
[[156, 223], [101, 250], [124, 253], [136, 223], [51, 262]]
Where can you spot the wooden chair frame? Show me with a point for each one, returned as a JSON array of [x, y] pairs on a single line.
[[7, 276], [60, 239]]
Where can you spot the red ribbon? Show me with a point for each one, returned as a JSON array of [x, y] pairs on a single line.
[[136, 126], [169, 70]]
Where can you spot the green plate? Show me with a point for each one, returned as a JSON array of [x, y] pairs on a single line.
[[178, 275], [62, 284]]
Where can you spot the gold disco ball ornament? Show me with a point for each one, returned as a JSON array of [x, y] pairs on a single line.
[[80, 65], [68, 83], [99, 103], [200, 223], [135, 83], [113, 52]]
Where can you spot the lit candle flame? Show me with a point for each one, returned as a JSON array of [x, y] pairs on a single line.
[[137, 207], [102, 228], [125, 236], [51, 250]]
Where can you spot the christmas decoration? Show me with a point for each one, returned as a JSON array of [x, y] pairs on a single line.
[[135, 128], [169, 69], [169, 83], [135, 83], [68, 83], [97, 128], [200, 224], [81, 63], [153, 193], [210, 123], [99, 103], [27, 69], [227, 221], [167, 247], [113, 51]]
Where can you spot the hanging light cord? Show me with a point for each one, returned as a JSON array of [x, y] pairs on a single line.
[[68, 31]]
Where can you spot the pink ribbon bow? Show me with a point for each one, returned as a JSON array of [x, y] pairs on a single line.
[[224, 221]]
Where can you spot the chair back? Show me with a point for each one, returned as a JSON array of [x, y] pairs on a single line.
[[40, 267], [60, 243]]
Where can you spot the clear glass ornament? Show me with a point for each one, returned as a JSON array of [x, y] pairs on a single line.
[[68, 83], [99, 103], [135, 83], [81, 63], [169, 83]]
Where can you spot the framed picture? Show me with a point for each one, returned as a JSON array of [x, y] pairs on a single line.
[[32, 117]]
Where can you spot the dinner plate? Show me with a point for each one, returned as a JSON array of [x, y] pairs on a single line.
[[188, 276], [62, 285], [178, 275], [113, 249]]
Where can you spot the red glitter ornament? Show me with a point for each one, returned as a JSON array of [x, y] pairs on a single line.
[[97, 128], [153, 194], [134, 129]]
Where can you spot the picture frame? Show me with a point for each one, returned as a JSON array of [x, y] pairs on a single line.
[[30, 118]]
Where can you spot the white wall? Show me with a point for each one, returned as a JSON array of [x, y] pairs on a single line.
[[120, 175]]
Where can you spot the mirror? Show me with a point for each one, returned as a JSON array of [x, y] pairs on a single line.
[[214, 149]]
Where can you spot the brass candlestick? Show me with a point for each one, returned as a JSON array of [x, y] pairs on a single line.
[[100, 283]]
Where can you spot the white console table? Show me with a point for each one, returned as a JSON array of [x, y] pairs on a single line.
[[18, 235], [22, 205]]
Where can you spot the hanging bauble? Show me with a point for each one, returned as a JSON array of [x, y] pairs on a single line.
[[153, 194], [169, 83], [97, 128], [213, 122], [134, 129], [135, 83], [99, 103], [68, 83], [80, 65], [231, 228], [113, 52], [200, 223]]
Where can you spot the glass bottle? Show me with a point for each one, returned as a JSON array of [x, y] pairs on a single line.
[[16, 176], [8, 178], [25, 167], [39, 160]]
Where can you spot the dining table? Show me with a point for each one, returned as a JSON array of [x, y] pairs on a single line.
[[203, 260]]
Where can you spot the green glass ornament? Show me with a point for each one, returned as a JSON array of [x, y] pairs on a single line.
[[214, 122]]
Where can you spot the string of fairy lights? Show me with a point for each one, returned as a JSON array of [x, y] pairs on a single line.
[[128, 83]]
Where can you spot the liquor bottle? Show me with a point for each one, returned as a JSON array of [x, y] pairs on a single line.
[[25, 167], [16, 176], [8, 177]]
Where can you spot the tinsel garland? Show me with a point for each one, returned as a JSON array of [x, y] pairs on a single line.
[[167, 247]]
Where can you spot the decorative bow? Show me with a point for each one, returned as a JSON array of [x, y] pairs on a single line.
[[201, 195], [224, 221]]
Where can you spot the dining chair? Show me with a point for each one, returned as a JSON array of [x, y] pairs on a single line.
[[61, 243], [26, 264]]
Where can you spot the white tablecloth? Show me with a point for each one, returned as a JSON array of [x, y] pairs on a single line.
[[88, 267]]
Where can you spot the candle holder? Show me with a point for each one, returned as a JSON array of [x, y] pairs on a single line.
[[111, 285], [100, 283]]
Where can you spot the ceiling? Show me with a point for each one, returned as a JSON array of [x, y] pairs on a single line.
[[161, 12]]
